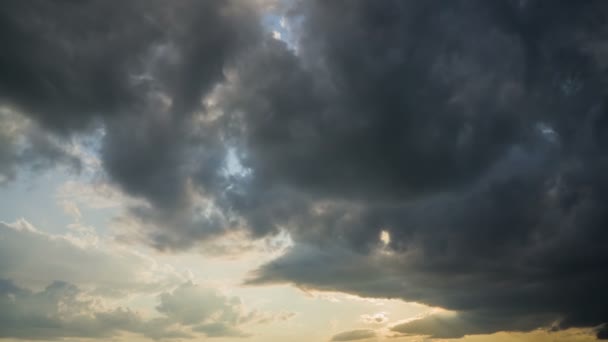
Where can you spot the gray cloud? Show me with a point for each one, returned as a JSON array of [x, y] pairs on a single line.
[[354, 335], [153, 161], [484, 168], [205, 310], [60, 311], [473, 132], [34, 258], [63, 310], [182, 306], [141, 76], [220, 330], [451, 325], [63, 66], [27, 147], [91, 271], [602, 333]]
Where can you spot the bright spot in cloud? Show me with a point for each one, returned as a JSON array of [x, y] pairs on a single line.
[[547, 132], [385, 237], [233, 166]]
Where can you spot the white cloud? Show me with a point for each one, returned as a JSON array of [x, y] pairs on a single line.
[[35, 258], [60, 310], [377, 318], [183, 305], [95, 195], [87, 276]]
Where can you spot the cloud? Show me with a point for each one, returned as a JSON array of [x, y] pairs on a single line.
[[220, 330], [27, 147], [96, 194], [602, 333], [399, 123], [35, 258], [61, 310], [148, 67], [472, 133], [377, 318], [454, 325], [53, 70], [182, 306], [570, 335], [354, 335], [206, 310]]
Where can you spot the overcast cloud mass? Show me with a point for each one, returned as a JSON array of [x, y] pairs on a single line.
[[448, 153]]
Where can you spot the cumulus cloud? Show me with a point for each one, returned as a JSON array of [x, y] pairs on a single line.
[[63, 310], [182, 306], [79, 305], [425, 133], [206, 310], [148, 66], [35, 258]]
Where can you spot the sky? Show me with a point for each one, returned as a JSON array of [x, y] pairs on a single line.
[[303, 170]]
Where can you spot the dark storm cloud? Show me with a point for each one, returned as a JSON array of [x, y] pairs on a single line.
[[141, 70], [147, 152], [403, 98], [62, 65], [471, 131], [474, 132]]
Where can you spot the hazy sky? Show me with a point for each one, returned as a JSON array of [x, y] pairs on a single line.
[[303, 170]]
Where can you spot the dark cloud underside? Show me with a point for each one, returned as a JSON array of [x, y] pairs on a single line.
[[471, 131]]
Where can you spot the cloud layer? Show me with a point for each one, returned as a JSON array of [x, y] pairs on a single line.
[[78, 282], [63, 310], [354, 335], [471, 134]]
